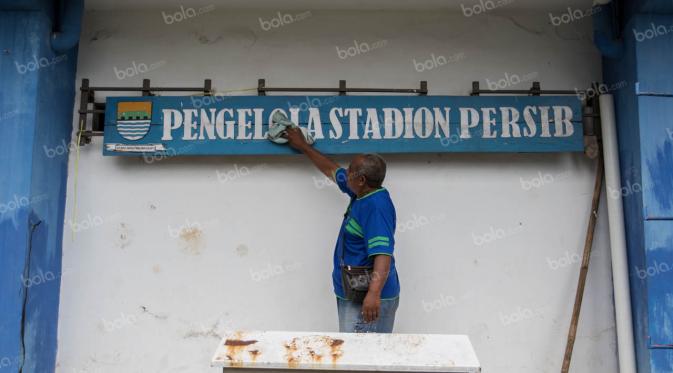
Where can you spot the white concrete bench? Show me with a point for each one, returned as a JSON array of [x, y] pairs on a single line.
[[277, 350]]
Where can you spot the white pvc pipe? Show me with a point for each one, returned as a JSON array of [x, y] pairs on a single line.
[[620, 269]]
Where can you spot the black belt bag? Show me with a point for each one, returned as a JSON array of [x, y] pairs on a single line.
[[354, 279]]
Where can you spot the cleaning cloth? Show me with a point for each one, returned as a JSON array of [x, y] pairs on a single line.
[[280, 123]]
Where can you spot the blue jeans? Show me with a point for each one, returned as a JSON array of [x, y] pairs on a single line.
[[350, 317]]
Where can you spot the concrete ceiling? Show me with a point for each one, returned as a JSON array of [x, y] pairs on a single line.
[[539, 5]]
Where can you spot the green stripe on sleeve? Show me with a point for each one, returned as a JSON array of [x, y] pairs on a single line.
[[379, 238], [353, 231], [354, 225], [379, 243]]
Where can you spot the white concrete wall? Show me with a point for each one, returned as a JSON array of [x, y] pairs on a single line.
[[169, 253]]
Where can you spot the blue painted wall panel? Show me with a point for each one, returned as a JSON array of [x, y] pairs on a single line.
[[662, 360], [642, 118], [36, 103], [53, 123], [17, 113], [653, 37], [656, 117], [659, 276]]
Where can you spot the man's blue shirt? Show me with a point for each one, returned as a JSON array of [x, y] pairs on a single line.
[[368, 229]]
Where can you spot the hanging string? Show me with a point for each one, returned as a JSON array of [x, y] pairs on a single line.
[[73, 216]]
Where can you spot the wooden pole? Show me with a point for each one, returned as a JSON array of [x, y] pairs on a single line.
[[584, 269]]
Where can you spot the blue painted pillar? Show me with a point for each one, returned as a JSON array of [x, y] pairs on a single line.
[[638, 70], [36, 113]]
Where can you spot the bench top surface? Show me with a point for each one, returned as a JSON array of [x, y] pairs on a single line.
[[346, 351]]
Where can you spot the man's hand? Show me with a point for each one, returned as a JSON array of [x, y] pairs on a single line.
[[296, 139], [371, 306]]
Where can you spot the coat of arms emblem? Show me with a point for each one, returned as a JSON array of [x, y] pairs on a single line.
[[133, 119]]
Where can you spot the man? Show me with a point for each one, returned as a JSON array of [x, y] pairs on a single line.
[[366, 238]]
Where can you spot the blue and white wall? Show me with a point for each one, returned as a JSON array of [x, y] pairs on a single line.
[[37, 77], [643, 62], [168, 253]]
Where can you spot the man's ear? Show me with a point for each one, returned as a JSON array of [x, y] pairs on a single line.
[[362, 179]]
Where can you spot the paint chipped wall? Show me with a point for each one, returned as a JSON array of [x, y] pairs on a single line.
[[163, 255]]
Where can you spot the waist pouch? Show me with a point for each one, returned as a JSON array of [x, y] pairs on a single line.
[[355, 281]]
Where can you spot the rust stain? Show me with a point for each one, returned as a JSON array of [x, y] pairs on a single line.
[[335, 346], [254, 354], [192, 240], [311, 350], [235, 346], [238, 342], [315, 357], [290, 354]]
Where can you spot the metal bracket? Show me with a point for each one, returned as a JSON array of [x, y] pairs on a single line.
[[535, 90], [342, 90], [88, 104]]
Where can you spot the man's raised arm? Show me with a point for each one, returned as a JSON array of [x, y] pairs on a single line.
[[296, 140]]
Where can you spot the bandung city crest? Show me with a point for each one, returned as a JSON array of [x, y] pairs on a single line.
[[133, 119]]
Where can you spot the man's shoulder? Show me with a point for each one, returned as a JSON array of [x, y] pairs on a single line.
[[378, 200]]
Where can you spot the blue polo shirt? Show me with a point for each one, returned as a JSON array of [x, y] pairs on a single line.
[[368, 229]]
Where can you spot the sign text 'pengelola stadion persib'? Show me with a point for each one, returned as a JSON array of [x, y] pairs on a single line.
[[343, 124]]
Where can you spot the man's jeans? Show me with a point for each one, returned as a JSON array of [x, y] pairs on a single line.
[[350, 317]]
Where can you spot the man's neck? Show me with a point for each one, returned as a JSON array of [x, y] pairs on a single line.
[[366, 191]]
